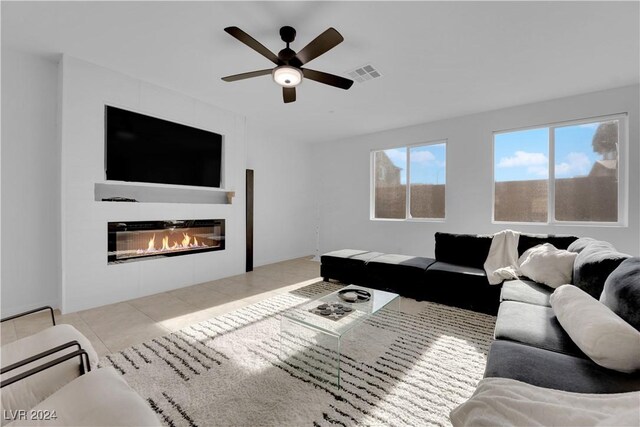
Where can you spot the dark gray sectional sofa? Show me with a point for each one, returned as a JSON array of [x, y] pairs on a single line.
[[456, 276], [530, 345]]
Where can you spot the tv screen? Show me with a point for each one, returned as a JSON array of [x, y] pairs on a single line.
[[141, 148]]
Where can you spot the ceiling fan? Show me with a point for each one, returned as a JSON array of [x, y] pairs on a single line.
[[288, 72]]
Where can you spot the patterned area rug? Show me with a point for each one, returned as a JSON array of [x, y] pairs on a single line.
[[404, 368]]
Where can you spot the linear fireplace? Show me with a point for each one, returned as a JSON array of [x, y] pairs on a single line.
[[139, 240]]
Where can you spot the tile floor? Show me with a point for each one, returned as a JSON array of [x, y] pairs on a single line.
[[117, 326]]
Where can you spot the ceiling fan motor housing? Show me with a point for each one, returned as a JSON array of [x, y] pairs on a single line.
[[287, 34]]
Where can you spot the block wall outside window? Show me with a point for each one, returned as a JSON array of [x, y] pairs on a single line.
[[559, 173], [409, 182]]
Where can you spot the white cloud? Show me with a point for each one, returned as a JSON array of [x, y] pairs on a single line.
[[422, 157], [523, 158], [541, 171], [576, 164], [397, 155]]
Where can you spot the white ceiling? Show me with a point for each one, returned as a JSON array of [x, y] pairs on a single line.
[[438, 59]]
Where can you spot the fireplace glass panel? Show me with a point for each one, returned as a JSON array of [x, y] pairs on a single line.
[[136, 240]]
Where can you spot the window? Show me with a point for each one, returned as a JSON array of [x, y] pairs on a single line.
[[409, 182], [561, 173]]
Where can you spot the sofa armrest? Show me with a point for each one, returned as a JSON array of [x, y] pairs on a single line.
[[35, 310]]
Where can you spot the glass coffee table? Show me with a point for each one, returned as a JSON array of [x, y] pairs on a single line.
[[311, 340]]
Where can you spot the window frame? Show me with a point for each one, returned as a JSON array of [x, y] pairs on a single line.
[[372, 182], [623, 182]]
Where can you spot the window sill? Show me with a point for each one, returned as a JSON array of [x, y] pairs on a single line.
[[408, 219], [567, 224]]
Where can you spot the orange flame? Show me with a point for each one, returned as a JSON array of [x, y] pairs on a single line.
[[186, 240], [195, 241], [165, 243], [152, 244]]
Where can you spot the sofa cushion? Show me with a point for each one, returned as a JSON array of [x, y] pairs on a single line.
[[346, 257], [621, 291], [459, 269], [526, 291], [462, 249], [533, 325], [594, 264], [399, 265], [600, 333], [399, 273], [403, 261], [527, 241], [553, 370], [346, 265], [460, 286]]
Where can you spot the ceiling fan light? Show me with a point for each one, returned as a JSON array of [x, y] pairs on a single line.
[[287, 76]]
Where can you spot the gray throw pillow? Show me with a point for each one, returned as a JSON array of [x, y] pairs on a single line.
[[594, 264], [580, 244], [621, 291]]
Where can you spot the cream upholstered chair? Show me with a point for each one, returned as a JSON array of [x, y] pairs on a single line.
[[49, 375], [24, 385]]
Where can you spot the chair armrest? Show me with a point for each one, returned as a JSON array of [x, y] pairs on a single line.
[[82, 354], [35, 310], [39, 356]]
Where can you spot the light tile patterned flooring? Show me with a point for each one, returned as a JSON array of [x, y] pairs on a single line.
[[117, 326]]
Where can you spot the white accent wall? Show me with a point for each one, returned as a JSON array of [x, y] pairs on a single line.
[[343, 173], [30, 154], [87, 279]]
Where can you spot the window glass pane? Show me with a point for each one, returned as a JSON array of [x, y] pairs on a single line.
[[390, 183], [427, 180], [586, 172], [521, 171]]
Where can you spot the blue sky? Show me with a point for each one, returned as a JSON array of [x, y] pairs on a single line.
[[428, 163], [524, 155]]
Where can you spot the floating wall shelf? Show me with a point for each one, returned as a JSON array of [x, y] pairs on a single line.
[[161, 193]]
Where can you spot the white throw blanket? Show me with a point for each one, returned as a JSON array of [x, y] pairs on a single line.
[[502, 261], [507, 402]]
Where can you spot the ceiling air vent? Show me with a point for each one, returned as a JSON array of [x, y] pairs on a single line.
[[364, 73]]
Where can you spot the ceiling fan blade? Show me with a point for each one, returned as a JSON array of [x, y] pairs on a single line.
[[321, 44], [289, 94], [248, 75], [328, 79], [252, 43]]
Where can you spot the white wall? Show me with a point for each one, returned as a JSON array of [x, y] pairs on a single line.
[[30, 153], [285, 205], [343, 171], [87, 280]]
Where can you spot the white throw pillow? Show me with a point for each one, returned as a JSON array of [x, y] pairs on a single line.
[[548, 265], [600, 333]]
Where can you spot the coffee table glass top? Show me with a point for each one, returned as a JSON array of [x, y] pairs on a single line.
[[360, 311]]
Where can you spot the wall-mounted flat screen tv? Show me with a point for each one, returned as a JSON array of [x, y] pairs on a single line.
[[141, 148]]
